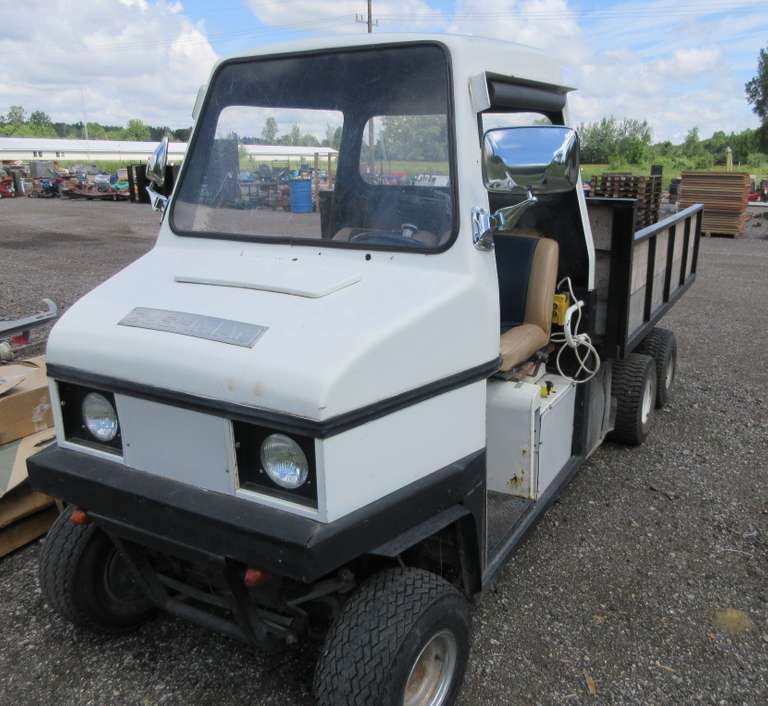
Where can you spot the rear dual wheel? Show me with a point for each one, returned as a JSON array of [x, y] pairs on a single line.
[[661, 345], [641, 382], [634, 387]]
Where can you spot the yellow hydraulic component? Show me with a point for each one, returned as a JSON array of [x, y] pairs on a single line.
[[559, 307]]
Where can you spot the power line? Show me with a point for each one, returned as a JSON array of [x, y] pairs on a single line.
[[607, 13]]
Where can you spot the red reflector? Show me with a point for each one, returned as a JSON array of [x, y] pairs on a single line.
[[255, 577], [78, 517], [20, 339]]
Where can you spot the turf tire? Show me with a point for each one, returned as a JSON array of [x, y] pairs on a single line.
[[76, 565], [661, 345], [633, 379], [373, 644]]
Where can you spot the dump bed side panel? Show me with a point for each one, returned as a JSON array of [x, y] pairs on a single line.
[[639, 274]]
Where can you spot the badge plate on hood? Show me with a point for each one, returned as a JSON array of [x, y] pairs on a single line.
[[212, 328]]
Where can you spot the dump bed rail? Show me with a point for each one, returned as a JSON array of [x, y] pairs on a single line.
[[666, 255], [640, 275]]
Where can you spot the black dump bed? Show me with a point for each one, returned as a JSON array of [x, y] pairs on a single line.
[[640, 274]]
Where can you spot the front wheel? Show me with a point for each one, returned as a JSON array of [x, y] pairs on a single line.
[[86, 581], [401, 640]]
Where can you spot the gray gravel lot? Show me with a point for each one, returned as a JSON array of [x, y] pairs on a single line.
[[647, 581]]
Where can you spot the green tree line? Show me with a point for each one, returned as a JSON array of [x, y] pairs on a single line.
[[610, 141], [270, 136], [17, 123]]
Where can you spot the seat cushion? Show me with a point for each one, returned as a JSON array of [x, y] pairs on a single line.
[[520, 343], [527, 267], [541, 284]]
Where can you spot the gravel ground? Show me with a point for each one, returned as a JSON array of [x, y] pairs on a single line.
[[647, 583]]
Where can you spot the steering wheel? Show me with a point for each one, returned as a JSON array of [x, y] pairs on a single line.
[[404, 237]]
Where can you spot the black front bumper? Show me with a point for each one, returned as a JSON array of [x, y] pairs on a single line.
[[197, 524]]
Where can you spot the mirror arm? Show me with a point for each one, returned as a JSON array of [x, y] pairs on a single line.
[[157, 200], [482, 231], [508, 217], [484, 225]]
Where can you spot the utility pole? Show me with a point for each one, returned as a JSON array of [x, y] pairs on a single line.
[[371, 141], [85, 122], [85, 115]]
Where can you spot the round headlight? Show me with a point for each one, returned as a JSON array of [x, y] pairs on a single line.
[[100, 417], [284, 461]]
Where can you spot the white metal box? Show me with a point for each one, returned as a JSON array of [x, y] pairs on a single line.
[[554, 421], [529, 436]]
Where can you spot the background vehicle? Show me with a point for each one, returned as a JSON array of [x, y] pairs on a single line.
[[286, 423]]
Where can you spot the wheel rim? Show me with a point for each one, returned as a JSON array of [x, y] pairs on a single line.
[[118, 582], [432, 673], [647, 401], [669, 374]]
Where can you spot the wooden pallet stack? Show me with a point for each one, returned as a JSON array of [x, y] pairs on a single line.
[[724, 195], [646, 189]]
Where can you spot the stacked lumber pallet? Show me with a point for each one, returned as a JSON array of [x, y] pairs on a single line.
[[25, 428], [645, 189], [724, 195]]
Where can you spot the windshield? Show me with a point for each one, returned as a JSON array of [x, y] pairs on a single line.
[[350, 148]]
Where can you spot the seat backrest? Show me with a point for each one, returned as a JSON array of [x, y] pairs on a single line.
[[527, 270]]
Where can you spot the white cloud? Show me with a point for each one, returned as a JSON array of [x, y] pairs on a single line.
[[545, 24], [111, 61], [339, 17], [675, 64], [690, 62]]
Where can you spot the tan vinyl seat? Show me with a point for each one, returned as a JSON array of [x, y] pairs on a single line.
[[527, 279]]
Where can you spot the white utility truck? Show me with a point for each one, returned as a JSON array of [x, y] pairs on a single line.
[[338, 418]]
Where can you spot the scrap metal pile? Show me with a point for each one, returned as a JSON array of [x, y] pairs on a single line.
[[83, 184]]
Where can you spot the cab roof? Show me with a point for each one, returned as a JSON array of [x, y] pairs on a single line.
[[469, 54]]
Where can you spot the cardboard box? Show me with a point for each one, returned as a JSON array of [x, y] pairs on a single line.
[[25, 514], [25, 406], [13, 459]]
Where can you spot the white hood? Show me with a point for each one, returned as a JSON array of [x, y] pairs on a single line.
[[341, 331]]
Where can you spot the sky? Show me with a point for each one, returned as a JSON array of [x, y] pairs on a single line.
[[675, 63]]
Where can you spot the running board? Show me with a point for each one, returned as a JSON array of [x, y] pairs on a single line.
[[529, 519]]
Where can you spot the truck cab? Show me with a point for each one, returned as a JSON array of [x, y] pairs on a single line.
[[335, 415]]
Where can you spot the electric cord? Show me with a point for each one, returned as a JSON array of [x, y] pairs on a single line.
[[577, 342]]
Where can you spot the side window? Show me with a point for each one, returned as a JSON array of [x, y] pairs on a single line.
[[407, 150]]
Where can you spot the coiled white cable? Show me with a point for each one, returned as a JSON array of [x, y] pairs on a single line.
[[571, 338]]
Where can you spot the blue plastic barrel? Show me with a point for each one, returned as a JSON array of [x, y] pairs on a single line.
[[301, 196]]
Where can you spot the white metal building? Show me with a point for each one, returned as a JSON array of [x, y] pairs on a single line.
[[31, 148]]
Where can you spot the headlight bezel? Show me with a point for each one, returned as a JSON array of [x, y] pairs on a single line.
[[249, 439], [71, 399]]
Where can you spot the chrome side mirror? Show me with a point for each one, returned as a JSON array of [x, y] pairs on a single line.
[[525, 161], [156, 163], [543, 159]]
